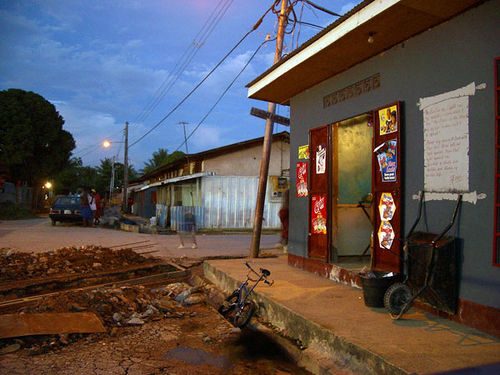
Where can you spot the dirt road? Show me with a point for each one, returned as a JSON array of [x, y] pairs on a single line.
[[38, 235]]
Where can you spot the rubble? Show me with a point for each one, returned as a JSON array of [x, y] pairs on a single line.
[[67, 260]]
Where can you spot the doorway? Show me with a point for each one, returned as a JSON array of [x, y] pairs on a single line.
[[351, 191]]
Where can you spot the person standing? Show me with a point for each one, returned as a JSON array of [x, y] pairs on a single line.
[[85, 208], [283, 215], [92, 204], [98, 206]]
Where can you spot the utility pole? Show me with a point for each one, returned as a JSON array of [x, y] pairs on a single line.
[[125, 172], [112, 180], [268, 138], [184, 123]]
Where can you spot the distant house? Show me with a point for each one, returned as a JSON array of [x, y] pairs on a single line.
[[219, 184]]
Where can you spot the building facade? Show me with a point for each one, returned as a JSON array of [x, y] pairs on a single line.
[[394, 99], [220, 185]]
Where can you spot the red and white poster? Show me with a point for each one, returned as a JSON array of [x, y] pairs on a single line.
[[301, 182], [318, 214]]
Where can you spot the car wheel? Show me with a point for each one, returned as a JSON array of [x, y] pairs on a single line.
[[53, 222]]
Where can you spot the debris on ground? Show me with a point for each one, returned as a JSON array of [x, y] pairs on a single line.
[[67, 260]]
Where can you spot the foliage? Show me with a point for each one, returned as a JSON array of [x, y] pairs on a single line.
[[77, 176], [13, 211], [160, 158], [33, 144]]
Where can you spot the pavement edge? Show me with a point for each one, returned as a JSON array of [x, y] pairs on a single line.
[[324, 351]]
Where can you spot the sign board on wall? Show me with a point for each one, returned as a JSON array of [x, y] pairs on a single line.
[[446, 140]]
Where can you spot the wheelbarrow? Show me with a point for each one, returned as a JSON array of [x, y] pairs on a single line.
[[400, 296]]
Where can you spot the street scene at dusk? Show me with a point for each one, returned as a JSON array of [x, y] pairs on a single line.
[[250, 187]]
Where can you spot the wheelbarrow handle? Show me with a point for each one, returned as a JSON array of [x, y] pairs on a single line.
[[448, 227]]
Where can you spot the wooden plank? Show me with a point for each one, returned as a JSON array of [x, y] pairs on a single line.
[[18, 325]]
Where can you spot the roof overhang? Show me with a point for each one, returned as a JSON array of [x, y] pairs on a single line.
[[345, 43], [174, 180]]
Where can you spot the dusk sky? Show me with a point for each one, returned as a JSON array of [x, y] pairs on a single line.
[[105, 62]]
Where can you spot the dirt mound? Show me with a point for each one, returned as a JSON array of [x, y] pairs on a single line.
[[67, 260]]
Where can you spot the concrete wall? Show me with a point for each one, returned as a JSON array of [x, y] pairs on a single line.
[[247, 162], [444, 58]]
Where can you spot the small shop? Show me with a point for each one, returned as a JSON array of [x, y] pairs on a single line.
[[394, 130]]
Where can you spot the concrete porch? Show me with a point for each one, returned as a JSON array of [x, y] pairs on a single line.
[[332, 323]]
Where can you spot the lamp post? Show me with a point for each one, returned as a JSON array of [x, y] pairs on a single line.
[[107, 144]]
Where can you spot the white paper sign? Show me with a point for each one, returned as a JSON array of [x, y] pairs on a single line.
[[446, 145]]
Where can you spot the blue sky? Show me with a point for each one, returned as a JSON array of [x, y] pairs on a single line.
[[102, 62]]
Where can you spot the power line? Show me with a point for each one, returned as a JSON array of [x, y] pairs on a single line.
[[255, 27], [319, 7], [222, 95], [186, 58]]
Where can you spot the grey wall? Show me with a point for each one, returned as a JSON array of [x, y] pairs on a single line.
[[444, 58]]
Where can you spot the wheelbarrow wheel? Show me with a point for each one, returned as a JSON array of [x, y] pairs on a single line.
[[396, 299]]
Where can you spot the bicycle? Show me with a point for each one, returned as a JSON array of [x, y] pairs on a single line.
[[237, 307]]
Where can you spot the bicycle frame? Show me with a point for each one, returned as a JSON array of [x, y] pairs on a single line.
[[243, 290], [238, 304]]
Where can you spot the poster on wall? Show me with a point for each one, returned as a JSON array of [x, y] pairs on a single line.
[[321, 159], [446, 140], [386, 207], [386, 235], [318, 216], [387, 160], [304, 152], [388, 120], [301, 181]]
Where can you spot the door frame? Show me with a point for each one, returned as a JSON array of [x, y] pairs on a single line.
[[379, 255]]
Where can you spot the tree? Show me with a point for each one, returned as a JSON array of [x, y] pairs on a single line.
[[160, 158], [33, 144]]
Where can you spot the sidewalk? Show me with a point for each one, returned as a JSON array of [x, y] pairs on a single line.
[[331, 320]]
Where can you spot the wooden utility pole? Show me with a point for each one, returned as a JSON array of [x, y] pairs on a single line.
[[125, 172], [268, 139]]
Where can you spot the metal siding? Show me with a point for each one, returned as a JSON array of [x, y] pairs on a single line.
[[229, 202]]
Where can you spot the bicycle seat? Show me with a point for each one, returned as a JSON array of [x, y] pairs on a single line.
[[265, 272]]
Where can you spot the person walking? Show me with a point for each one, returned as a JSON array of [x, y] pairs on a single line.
[[188, 228]]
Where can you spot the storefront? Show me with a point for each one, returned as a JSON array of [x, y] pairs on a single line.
[[396, 98]]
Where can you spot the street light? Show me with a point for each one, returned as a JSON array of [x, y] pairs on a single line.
[[107, 144]]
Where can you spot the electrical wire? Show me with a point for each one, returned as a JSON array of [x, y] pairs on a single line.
[[255, 27], [186, 58], [222, 95], [319, 7]]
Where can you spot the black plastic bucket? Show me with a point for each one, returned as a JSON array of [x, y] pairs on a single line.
[[375, 284]]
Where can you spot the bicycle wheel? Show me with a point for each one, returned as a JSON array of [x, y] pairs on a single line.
[[396, 299], [243, 316], [229, 304]]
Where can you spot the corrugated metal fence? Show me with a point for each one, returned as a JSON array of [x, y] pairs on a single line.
[[229, 202], [177, 220]]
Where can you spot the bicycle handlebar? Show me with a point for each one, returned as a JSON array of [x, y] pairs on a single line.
[[264, 274]]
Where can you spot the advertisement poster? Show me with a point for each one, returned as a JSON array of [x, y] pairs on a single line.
[[387, 160], [304, 152], [301, 182], [321, 159], [388, 120], [385, 235], [386, 207], [318, 216]]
